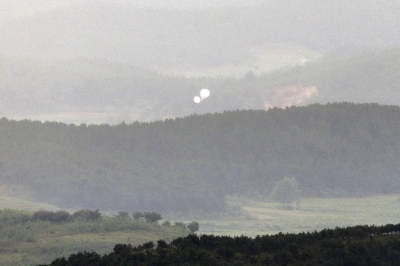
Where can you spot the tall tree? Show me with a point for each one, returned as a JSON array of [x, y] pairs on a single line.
[[286, 192]]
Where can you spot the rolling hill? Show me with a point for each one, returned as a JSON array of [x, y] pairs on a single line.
[[109, 61], [195, 38], [192, 163], [93, 91]]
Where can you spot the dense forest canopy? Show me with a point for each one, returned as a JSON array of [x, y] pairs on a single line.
[[192, 163]]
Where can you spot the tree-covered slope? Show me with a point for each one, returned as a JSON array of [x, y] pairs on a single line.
[[192, 163], [91, 91]]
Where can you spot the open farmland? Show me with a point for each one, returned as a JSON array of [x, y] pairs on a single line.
[[266, 217]]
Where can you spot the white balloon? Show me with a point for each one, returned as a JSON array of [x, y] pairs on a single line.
[[204, 93], [197, 99]]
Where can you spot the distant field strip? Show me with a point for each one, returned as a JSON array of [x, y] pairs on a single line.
[[264, 217]]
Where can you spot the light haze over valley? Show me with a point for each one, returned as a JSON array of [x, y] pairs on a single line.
[[249, 117], [90, 61]]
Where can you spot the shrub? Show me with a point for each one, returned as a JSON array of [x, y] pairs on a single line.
[[87, 215], [193, 226], [166, 223], [42, 215], [12, 217], [123, 214], [180, 224], [138, 215], [59, 216], [150, 217]]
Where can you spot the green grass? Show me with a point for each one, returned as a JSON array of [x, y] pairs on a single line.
[[21, 204], [48, 247], [25, 241], [265, 217], [251, 218]]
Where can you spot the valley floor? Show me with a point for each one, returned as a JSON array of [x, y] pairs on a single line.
[[265, 217]]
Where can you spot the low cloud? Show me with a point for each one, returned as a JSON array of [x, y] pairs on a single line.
[[288, 95]]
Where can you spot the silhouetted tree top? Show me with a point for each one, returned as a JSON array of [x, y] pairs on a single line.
[[286, 191], [358, 245]]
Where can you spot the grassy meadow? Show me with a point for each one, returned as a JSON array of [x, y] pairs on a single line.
[[21, 204], [53, 244], [259, 217], [30, 242]]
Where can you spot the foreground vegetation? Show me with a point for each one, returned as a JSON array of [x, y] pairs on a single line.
[[359, 245], [29, 238]]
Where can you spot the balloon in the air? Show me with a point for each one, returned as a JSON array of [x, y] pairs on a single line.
[[197, 99], [204, 93]]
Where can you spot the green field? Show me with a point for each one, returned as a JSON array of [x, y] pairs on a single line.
[[52, 245], [42, 243], [265, 217], [21, 204], [24, 242]]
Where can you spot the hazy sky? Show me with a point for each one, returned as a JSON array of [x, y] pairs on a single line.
[[19, 8]]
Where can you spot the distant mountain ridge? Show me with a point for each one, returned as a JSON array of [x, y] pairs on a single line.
[[98, 91], [161, 39], [254, 56]]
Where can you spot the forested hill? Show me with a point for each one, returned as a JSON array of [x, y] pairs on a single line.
[[192, 163], [95, 91]]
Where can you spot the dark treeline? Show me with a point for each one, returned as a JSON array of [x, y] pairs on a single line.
[[192, 163], [102, 223], [359, 245]]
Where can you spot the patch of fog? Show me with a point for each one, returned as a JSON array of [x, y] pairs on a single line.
[[288, 95], [17, 9], [186, 4]]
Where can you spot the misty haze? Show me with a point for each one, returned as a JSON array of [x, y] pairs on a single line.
[[167, 124]]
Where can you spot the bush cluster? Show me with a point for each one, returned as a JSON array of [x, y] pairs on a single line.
[[86, 220], [21, 226]]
